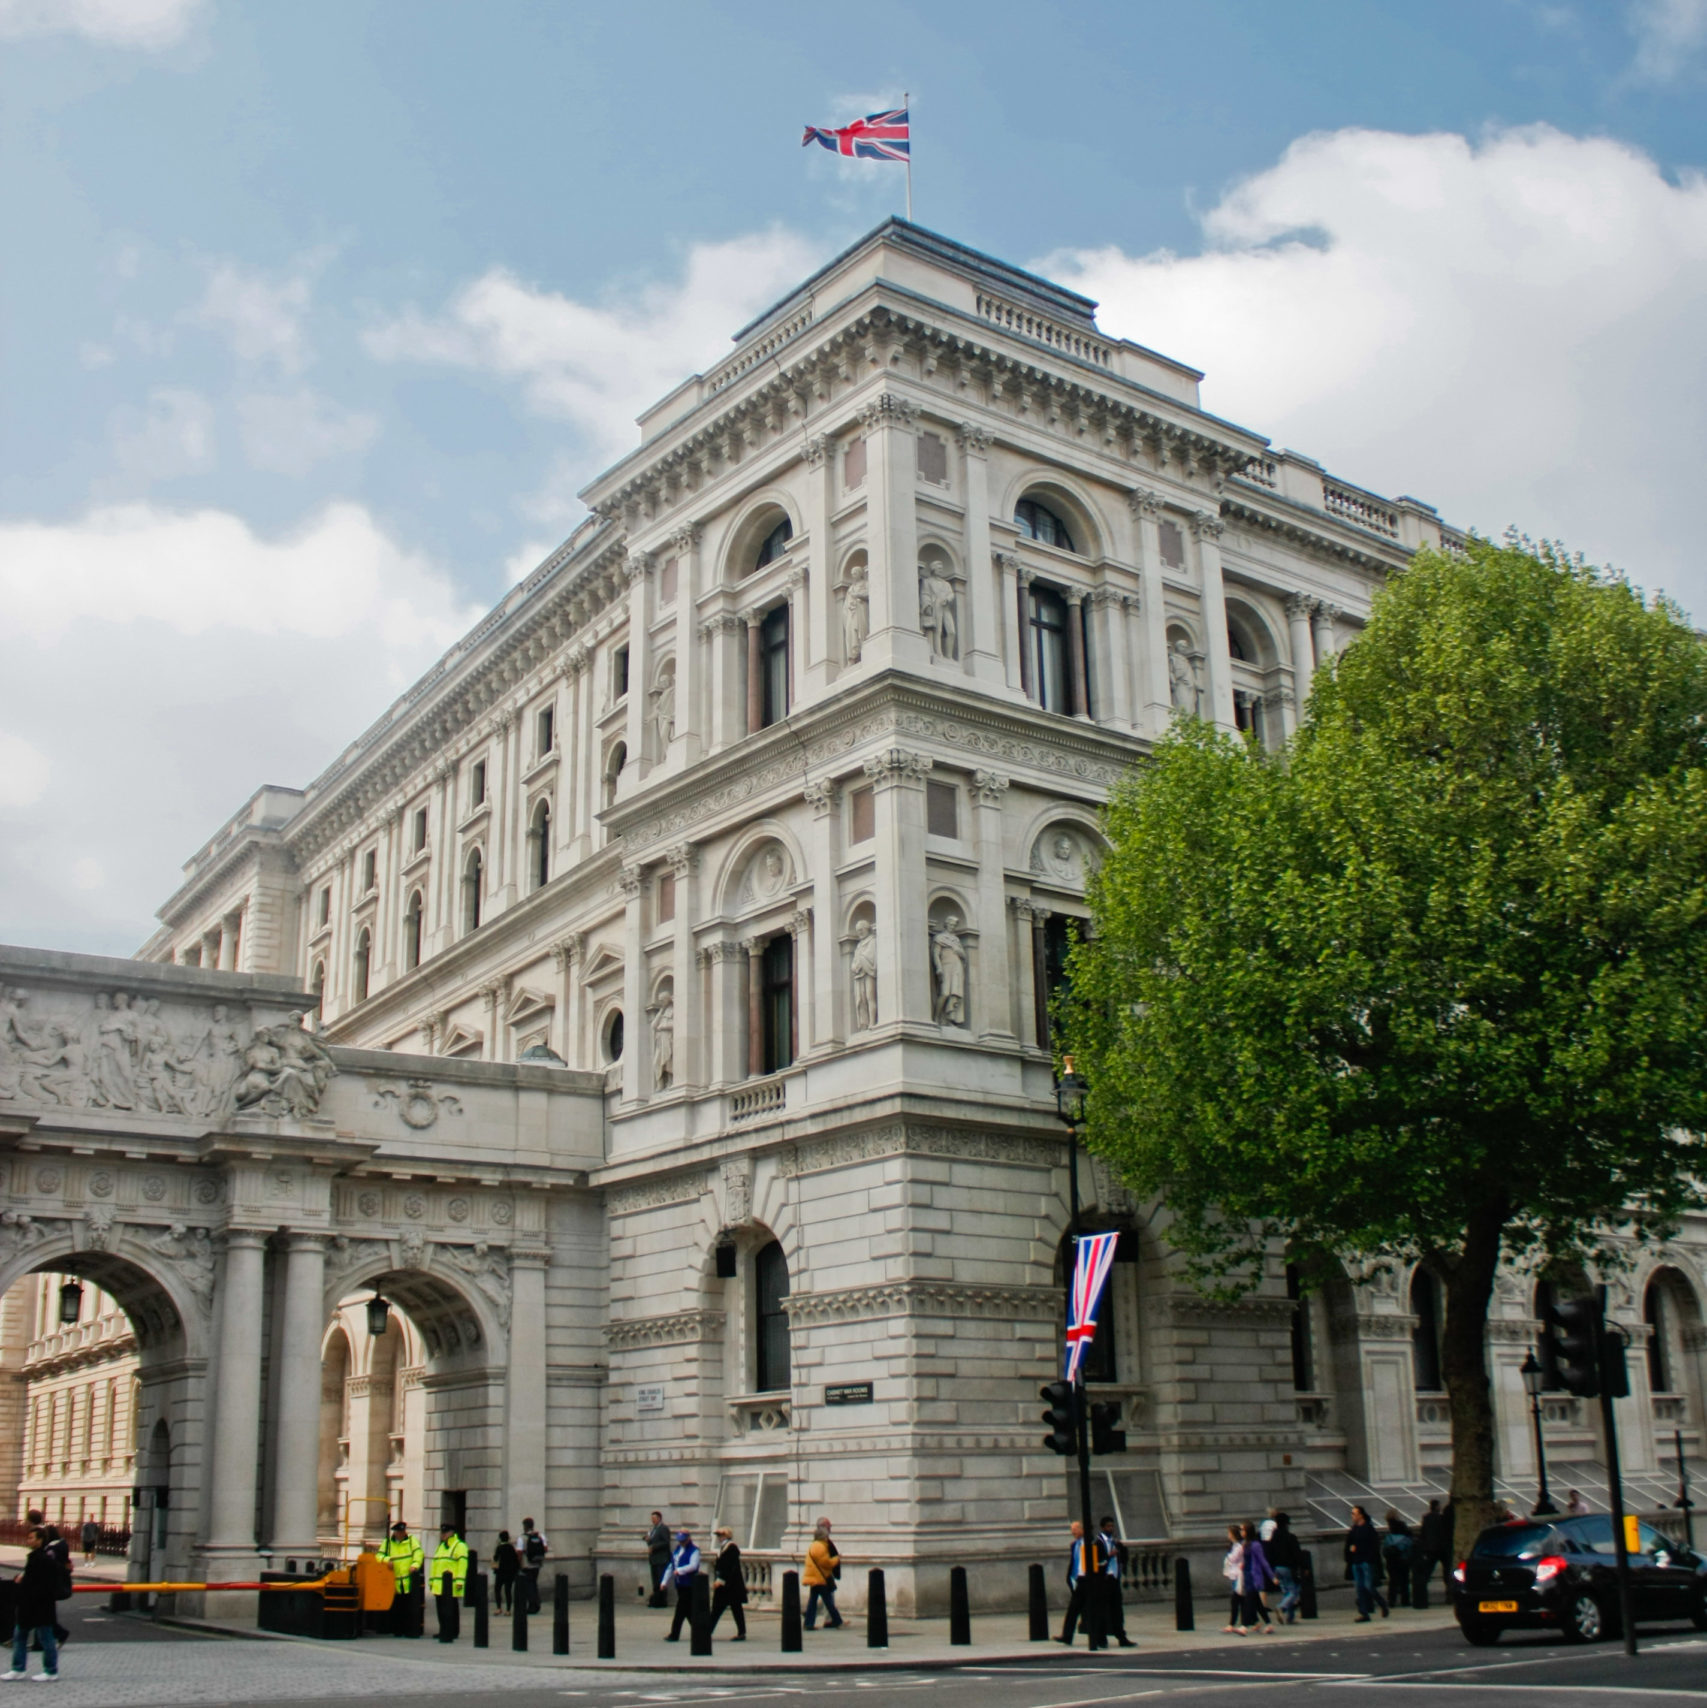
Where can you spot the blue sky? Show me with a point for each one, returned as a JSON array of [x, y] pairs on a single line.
[[317, 315]]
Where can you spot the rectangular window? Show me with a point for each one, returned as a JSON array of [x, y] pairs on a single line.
[[853, 465], [773, 650], [1049, 649], [933, 459], [547, 729], [1173, 545], [666, 898], [862, 815], [777, 966], [325, 914], [942, 809], [370, 870], [420, 830], [477, 784], [667, 582], [619, 673]]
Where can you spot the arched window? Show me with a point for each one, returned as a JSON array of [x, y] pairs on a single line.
[[771, 1371], [1654, 1315], [775, 543], [364, 953], [613, 770], [777, 971], [412, 931], [1303, 1345], [1238, 647], [317, 980], [539, 846], [613, 1036], [473, 882], [1425, 1337], [1038, 522]]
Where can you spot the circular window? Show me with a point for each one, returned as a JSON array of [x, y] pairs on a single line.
[[613, 1037]]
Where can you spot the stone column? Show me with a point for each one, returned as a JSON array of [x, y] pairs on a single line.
[[1022, 614], [635, 730], [1079, 688], [1303, 652], [691, 650], [995, 977], [724, 718], [825, 800], [893, 532], [1034, 1015], [1005, 570], [1108, 629], [237, 1406], [524, 1389], [903, 927], [800, 1003], [636, 1038], [1220, 686], [564, 956], [1322, 616], [1157, 702], [755, 947], [492, 995], [981, 628], [692, 1063], [297, 1472], [724, 965], [755, 674]]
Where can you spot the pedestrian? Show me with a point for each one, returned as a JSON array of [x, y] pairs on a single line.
[[450, 1559], [1286, 1560], [43, 1582], [506, 1563], [403, 1553], [658, 1561], [730, 1588], [1233, 1570], [1434, 1544], [1575, 1505], [823, 1562], [1112, 1551], [59, 1551], [1363, 1565], [91, 1539], [1077, 1583], [684, 1572], [533, 1548], [1260, 1581], [1397, 1548]]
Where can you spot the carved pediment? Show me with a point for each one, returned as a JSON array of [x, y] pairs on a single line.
[[460, 1041], [602, 963]]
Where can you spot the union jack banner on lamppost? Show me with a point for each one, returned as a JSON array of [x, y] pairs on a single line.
[[1093, 1257]]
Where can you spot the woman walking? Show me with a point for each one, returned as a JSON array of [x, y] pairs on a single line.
[[506, 1568], [1259, 1580], [1233, 1570], [38, 1589], [730, 1589]]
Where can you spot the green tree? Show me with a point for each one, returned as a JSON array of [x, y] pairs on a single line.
[[1432, 985]]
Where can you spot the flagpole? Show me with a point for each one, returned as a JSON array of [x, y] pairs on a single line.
[[907, 102]]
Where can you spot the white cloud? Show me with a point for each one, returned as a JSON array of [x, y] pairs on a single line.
[[160, 665], [289, 432], [600, 365], [1510, 330], [173, 436], [115, 23], [261, 317], [1668, 34]]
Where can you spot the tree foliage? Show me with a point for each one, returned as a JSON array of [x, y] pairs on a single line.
[[1433, 983]]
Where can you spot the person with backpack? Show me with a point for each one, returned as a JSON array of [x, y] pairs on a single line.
[[533, 1550], [1259, 1582], [506, 1564], [44, 1581], [1397, 1548]]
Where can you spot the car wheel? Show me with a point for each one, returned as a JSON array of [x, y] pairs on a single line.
[[1482, 1633], [1584, 1620]]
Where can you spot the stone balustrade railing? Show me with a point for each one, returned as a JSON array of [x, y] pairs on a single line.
[[762, 1097], [1360, 508], [1013, 318]]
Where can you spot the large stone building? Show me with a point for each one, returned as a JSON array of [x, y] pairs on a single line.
[[683, 942]]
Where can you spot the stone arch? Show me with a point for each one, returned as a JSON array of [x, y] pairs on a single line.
[[1070, 500], [456, 1296], [752, 526], [337, 1360], [737, 875], [952, 972], [939, 563], [1068, 868], [1251, 633], [1671, 1308]]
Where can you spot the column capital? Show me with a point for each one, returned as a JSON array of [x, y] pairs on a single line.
[[245, 1239], [815, 449], [974, 440], [568, 951], [686, 539], [1005, 560], [1298, 605], [629, 879], [1206, 526], [800, 921], [297, 1241], [754, 946], [822, 797], [637, 566], [988, 787], [1074, 596], [1143, 502], [682, 859], [723, 623], [897, 765], [886, 410], [1323, 613]]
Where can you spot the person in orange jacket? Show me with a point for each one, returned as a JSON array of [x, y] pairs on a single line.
[[823, 1562]]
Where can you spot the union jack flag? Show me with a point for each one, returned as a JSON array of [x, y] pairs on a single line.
[[1093, 1257], [878, 136]]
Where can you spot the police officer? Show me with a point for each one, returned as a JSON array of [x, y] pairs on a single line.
[[450, 1559], [403, 1553]]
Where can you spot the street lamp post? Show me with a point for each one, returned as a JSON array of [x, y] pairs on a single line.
[[1533, 1379], [1070, 1092]]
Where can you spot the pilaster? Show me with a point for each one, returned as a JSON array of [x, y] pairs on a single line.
[[1157, 703], [903, 927], [1208, 530], [994, 1007]]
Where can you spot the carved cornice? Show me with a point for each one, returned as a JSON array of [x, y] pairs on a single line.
[[1318, 538], [842, 1150], [1264, 1312], [681, 1188], [924, 1299], [680, 1328]]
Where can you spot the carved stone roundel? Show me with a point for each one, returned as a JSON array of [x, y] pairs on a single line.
[[154, 1188], [457, 1209], [207, 1190], [49, 1179], [414, 1206], [101, 1184], [419, 1108], [368, 1204], [503, 1212]]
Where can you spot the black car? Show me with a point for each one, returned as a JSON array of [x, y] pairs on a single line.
[[1562, 1575]]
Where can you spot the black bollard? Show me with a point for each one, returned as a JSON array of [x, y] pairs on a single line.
[[876, 1610], [1184, 1618], [607, 1618], [699, 1617], [1307, 1595], [791, 1639], [959, 1613], [1422, 1569], [475, 1590], [560, 1615], [468, 1582], [518, 1620], [119, 1601], [1039, 1593]]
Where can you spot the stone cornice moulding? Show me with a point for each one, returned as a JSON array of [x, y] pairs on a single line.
[[679, 1328], [843, 1150], [925, 1299]]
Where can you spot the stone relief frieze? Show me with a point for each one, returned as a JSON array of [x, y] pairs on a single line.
[[680, 1328], [924, 1298], [188, 1251], [653, 1194], [419, 1105], [488, 1270], [840, 1149], [285, 1072]]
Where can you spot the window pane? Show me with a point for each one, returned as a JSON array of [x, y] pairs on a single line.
[[774, 644], [770, 1288], [853, 465], [666, 898], [778, 1004], [862, 815], [933, 459], [942, 817], [1049, 640], [1172, 544], [667, 582]]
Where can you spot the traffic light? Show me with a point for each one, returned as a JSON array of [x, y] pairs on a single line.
[[1105, 1438], [1574, 1330], [1063, 1436]]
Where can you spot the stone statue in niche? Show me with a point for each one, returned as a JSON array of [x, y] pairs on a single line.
[[1182, 679], [948, 968], [856, 614], [770, 873], [664, 711], [285, 1071], [1057, 857], [937, 615], [663, 1017], [864, 976]]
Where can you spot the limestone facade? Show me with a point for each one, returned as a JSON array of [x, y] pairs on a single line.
[[718, 878]]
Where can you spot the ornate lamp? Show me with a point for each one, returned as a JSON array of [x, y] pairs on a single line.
[[378, 1310], [70, 1302], [1070, 1092], [1532, 1373], [1534, 1382]]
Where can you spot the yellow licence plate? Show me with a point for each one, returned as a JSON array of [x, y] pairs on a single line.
[[1496, 1606]]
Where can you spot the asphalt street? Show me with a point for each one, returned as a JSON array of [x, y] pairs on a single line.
[[130, 1663]]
